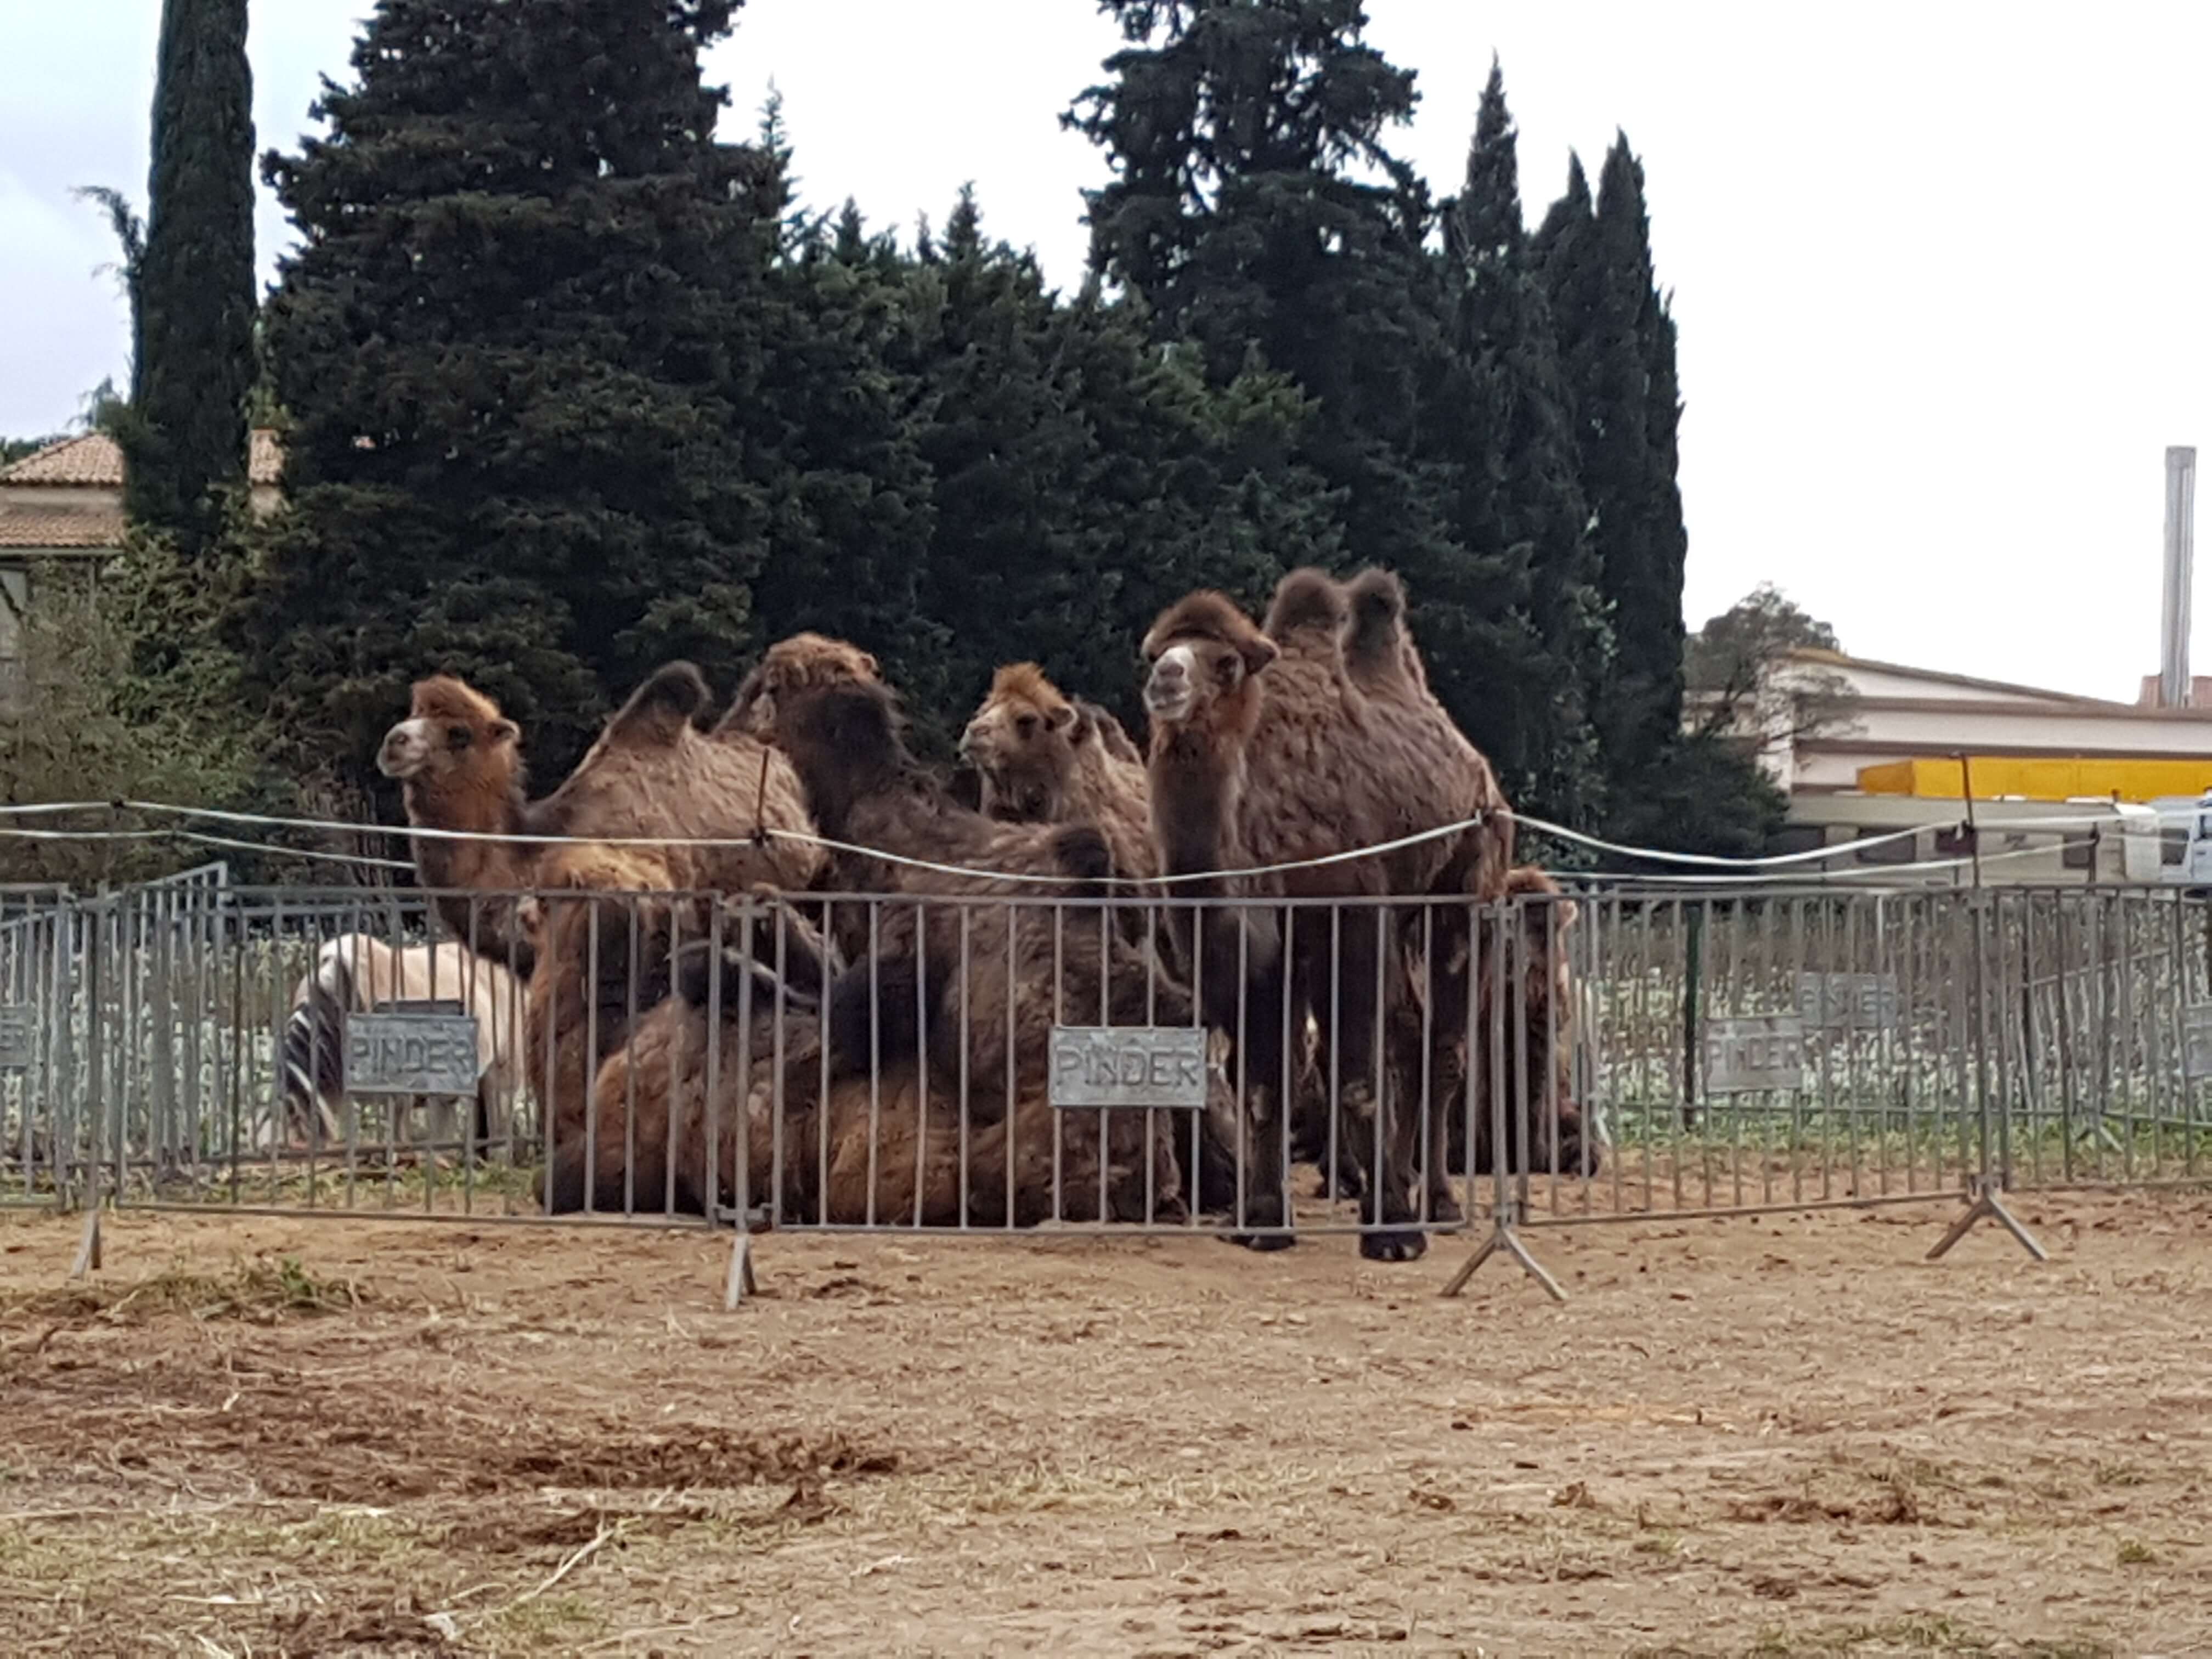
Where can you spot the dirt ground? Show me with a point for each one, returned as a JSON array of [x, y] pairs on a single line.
[[1771, 1436]]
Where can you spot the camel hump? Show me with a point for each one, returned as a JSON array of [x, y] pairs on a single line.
[[658, 711], [1306, 599], [1378, 598], [1377, 627]]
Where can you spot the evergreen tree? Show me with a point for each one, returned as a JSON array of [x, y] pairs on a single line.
[[192, 287], [1517, 653], [1620, 349], [1254, 204], [527, 315], [1084, 478], [840, 421]]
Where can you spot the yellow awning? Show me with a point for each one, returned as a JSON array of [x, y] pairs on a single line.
[[1930, 777]]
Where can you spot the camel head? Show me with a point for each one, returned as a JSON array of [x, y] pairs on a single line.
[[1022, 744], [453, 735], [789, 666], [1204, 652], [846, 741]]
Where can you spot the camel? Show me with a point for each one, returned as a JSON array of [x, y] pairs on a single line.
[[978, 985], [799, 663], [359, 973], [606, 965], [1044, 757], [651, 773], [1382, 659], [1265, 752], [888, 1154], [1542, 1006]]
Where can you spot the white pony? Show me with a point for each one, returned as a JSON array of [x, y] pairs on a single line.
[[359, 973]]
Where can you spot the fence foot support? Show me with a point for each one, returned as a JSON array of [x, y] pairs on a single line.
[[88, 1246], [1988, 1201], [1502, 1237], [741, 1282]]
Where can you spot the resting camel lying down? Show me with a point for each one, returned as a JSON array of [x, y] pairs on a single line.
[[888, 1153]]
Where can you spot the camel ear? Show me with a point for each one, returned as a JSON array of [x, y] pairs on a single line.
[[1062, 718], [1258, 651], [504, 732]]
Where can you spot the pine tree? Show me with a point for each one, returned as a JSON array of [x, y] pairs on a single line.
[[1524, 637], [192, 290], [526, 313]]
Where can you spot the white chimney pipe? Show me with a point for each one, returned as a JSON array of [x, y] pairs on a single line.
[[2181, 558]]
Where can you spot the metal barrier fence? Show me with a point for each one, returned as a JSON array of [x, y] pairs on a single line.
[[1392, 1069]]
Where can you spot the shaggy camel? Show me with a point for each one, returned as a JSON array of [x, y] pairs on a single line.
[[979, 984], [1543, 1008], [799, 663], [1382, 659], [359, 973], [882, 1154], [651, 773], [606, 968], [1265, 752], [1044, 757]]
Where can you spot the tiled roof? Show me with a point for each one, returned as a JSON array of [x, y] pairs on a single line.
[[85, 530], [93, 459]]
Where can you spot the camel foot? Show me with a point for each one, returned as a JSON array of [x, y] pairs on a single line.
[[1404, 1244], [1449, 1218], [1264, 1242]]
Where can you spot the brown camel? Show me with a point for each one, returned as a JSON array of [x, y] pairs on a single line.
[[865, 1160], [1044, 757], [1265, 752], [1527, 1008], [796, 664], [651, 773], [607, 960], [965, 968]]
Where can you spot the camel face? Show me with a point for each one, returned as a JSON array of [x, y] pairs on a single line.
[[1171, 689], [1023, 750], [408, 750]]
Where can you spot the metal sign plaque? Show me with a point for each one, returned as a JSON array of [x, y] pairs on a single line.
[[1848, 1002], [19, 1036], [411, 1055], [1157, 1066], [2196, 1039], [1754, 1052]]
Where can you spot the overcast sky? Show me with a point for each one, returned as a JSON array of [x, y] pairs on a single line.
[[1939, 271]]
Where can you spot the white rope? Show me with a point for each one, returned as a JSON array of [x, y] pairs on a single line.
[[1751, 868]]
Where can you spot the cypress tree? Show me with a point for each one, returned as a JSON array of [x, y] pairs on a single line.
[[1618, 343], [1525, 636], [192, 290], [527, 308]]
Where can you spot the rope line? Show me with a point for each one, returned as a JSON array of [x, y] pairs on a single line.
[[1744, 869]]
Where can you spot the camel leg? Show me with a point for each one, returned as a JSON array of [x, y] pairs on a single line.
[[1369, 983], [1250, 1009]]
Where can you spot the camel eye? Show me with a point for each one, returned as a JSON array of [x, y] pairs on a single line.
[[1228, 668], [1025, 726], [458, 737]]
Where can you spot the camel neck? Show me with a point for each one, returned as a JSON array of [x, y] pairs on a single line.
[[1197, 783]]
